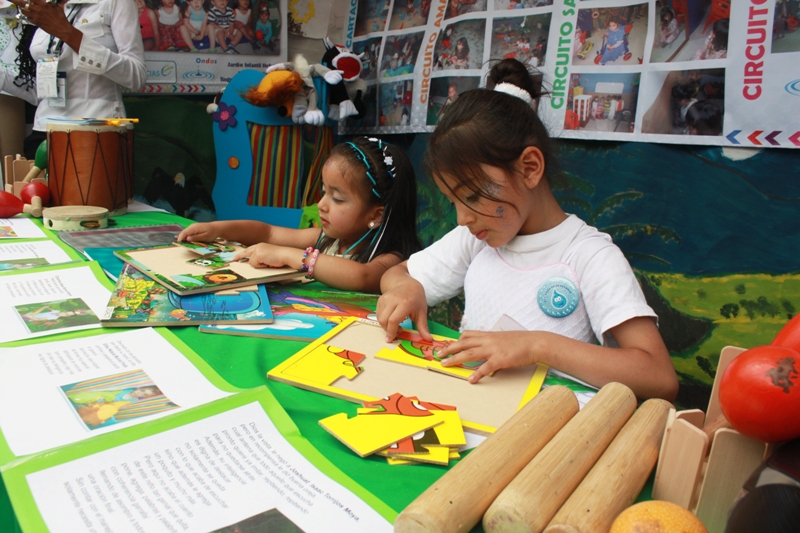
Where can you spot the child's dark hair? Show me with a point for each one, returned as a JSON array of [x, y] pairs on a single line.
[[464, 53], [666, 15], [394, 188], [720, 29], [684, 90], [488, 127], [705, 118]]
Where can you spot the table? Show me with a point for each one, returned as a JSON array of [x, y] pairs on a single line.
[[245, 361]]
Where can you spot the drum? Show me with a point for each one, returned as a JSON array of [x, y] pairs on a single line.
[[90, 165]]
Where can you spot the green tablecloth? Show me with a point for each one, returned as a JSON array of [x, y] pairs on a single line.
[[245, 361]]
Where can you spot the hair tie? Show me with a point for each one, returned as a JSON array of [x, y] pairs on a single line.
[[513, 90], [388, 161], [363, 157]]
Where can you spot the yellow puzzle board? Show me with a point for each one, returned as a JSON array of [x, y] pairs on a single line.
[[483, 407]]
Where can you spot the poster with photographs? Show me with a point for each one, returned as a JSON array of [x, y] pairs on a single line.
[[624, 70], [197, 46]]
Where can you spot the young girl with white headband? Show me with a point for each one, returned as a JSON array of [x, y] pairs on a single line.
[[517, 253], [367, 210]]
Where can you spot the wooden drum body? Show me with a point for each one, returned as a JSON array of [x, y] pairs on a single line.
[[90, 165]]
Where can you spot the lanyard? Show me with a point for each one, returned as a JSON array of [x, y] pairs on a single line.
[[73, 12]]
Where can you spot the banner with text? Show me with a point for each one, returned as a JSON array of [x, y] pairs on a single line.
[[626, 70], [197, 46]]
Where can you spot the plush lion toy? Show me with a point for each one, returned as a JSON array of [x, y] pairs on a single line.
[[277, 89]]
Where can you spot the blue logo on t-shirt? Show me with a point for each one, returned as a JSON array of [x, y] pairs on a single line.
[[558, 297]]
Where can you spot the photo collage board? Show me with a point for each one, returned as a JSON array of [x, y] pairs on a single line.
[[635, 70]]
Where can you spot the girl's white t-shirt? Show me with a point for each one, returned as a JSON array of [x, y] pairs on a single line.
[[609, 291]]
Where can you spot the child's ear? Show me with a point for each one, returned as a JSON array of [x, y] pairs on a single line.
[[532, 165], [377, 214]]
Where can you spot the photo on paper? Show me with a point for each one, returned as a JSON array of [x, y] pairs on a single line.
[[462, 7], [520, 4], [400, 54], [460, 45], [521, 38], [394, 106], [690, 102], [116, 398], [371, 16], [369, 50], [408, 14], [602, 102], [22, 264], [370, 118], [7, 232], [610, 36], [203, 26], [701, 39], [444, 92], [272, 520], [58, 314], [785, 37]]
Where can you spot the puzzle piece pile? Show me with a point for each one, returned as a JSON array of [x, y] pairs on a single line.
[[403, 429]]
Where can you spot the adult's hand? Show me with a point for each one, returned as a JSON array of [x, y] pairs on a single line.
[[52, 19]]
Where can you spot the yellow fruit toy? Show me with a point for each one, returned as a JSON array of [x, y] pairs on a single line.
[[657, 516]]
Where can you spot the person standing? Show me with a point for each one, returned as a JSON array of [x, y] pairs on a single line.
[[75, 57]]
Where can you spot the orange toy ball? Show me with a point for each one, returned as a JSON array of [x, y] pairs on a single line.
[[233, 162], [759, 393], [657, 516]]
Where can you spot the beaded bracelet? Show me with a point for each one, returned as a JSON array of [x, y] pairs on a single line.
[[303, 265], [311, 263]]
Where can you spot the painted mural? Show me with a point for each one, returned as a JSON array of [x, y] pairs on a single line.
[[712, 235]]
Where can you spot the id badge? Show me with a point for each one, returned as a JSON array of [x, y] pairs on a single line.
[[46, 72], [60, 100]]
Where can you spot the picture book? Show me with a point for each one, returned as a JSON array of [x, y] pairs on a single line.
[[20, 227], [305, 313], [52, 299], [354, 362], [196, 268], [139, 301], [136, 237], [135, 432], [22, 255]]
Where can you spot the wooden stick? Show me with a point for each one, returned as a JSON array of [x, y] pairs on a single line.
[[456, 502], [618, 477], [533, 497]]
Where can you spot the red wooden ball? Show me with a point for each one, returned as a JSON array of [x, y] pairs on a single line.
[[10, 205], [759, 393], [35, 188], [789, 335]]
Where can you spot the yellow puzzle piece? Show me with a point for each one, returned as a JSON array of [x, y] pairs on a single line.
[[367, 433], [325, 364]]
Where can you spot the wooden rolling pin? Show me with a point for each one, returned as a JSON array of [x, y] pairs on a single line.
[[618, 477], [457, 501], [529, 502]]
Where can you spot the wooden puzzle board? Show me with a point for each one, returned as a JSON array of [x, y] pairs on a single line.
[[483, 407], [169, 261]]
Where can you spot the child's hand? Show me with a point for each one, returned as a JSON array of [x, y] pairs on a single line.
[[202, 232], [405, 300], [500, 349], [267, 255]]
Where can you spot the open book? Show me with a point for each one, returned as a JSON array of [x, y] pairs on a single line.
[[132, 431]]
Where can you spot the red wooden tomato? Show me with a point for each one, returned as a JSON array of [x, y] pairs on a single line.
[[789, 335], [35, 188], [759, 393]]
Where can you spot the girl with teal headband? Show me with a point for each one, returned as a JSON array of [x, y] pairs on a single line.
[[368, 211]]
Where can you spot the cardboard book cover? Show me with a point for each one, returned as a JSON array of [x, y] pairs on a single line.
[[196, 268], [138, 301]]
